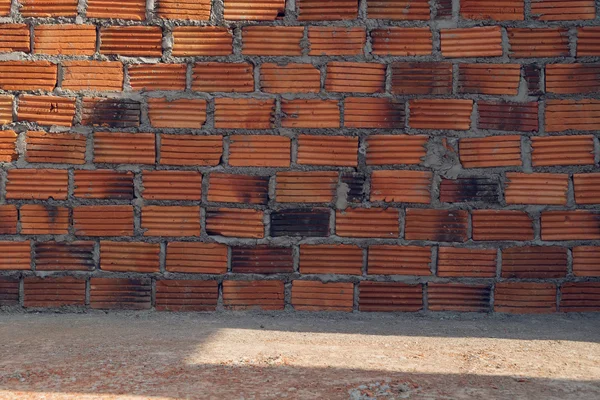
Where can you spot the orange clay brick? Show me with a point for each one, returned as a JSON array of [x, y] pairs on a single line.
[[186, 295], [259, 151], [562, 150], [46, 110], [588, 41], [100, 76], [390, 297], [538, 42], [582, 115], [315, 10], [191, 41], [235, 222], [398, 10], [253, 295], [586, 261], [196, 258], [261, 260], [336, 41], [495, 79], [395, 41], [53, 292], [458, 297], [421, 78], [521, 117], [48, 183], [6, 113], [14, 37], [38, 219], [61, 256], [355, 77], [157, 76], [472, 42], [191, 150], [306, 187], [395, 149], [497, 225], [103, 184], [272, 40], [290, 78], [48, 8], [122, 9], [181, 113], [318, 296], [503, 10], [8, 220], [587, 188], [196, 10], [300, 222], [27, 75], [8, 140], [331, 259], [223, 77], [525, 297], [172, 185], [112, 113], [129, 256], [134, 41], [580, 297], [103, 220], [249, 10], [538, 188], [234, 188], [438, 225], [401, 186], [572, 78], [399, 260], [244, 113], [16, 255], [67, 148], [341, 151], [570, 225], [363, 112], [171, 220], [534, 262], [73, 40], [558, 10], [313, 113], [469, 189], [5, 7], [125, 293], [493, 151], [124, 148], [464, 262], [367, 223], [440, 114]]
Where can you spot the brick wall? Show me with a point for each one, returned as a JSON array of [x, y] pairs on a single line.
[[397, 155]]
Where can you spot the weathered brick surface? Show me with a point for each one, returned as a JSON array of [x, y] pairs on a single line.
[[397, 155]]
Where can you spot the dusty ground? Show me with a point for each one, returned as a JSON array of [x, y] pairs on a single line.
[[298, 356]]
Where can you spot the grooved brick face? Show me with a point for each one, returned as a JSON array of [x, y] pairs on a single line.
[[489, 78], [290, 78], [124, 293], [8, 219], [367, 222], [248, 295], [259, 150], [196, 10], [53, 292], [233, 188], [208, 77], [537, 188], [283, 40], [402, 41], [458, 297], [314, 10], [310, 113], [129, 257], [318, 296], [187, 150], [196, 258], [440, 114], [504, 10], [331, 259], [182, 113], [399, 260], [390, 297], [472, 42], [191, 41], [438, 225], [46, 110], [556, 10], [58, 256], [336, 41], [134, 41], [525, 297], [122, 9], [411, 10], [464, 262], [355, 77], [244, 113], [48, 8], [186, 295], [248, 10], [14, 37], [338, 151], [306, 187], [235, 222], [27, 75], [101, 76], [421, 78], [493, 151], [49, 183], [17, 254], [67, 148], [172, 185], [8, 140], [401, 186], [496, 225], [37, 219], [538, 42], [171, 220], [534, 262], [157, 76], [395, 149], [74, 40]]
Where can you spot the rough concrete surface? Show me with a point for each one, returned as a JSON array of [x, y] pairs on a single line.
[[305, 356]]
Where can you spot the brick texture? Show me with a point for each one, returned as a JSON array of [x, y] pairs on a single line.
[[374, 155]]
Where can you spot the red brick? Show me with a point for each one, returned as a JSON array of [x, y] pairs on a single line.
[[458, 297], [538, 42], [191, 41], [234, 188], [313, 113], [65, 39], [248, 10], [586, 261], [331, 259], [191, 150], [315, 10], [306, 187], [496, 225], [399, 10], [572, 78], [46, 110], [122, 9], [363, 112], [14, 37], [259, 151], [128, 294], [171, 220], [438, 225], [464, 262], [290, 78], [53, 292], [493, 79], [261, 260], [505, 10], [45, 147], [472, 42], [196, 258], [396, 41], [92, 75], [318, 296], [8, 140], [300, 222], [16, 255], [48, 8], [399, 260], [562, 115], [336, 41], [525, 297], [103, 184], [390, 297], [9, 291], [48, 184], [181, 113], [208, 77], [235, 222], [401, 186], [112, 113], [587, 188], [129, 256], [580, 297], [124, 148], [440, 114], [570, 225], [244, 113], [521, 117], [536, 188], [587, 41], [562, 150], [119, 39], [534, 262], [150, 77], [5, 7], [186, 295], [272, 40], [103, 220], [395, 149], [493, 151], [196, 10], [27, 75], [471, 189], [172, 185], [64, 256], [341, 151], [421, 78], [8, 219], [38, 219], [355, 77], [557, 10], [247, 295], [367, 223]]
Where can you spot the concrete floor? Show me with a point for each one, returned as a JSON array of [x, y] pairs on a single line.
[[298, 356]]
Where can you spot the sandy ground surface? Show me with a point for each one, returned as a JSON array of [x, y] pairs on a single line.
[[298, 356]]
